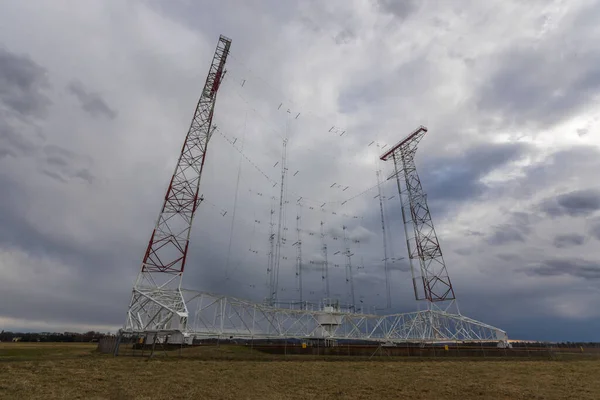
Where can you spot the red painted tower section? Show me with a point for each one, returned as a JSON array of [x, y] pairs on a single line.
[[168, 246]]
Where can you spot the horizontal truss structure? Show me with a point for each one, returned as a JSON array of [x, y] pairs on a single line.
[[216, 316]]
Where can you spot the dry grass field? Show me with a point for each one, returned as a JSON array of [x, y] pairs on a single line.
[[77, 371]]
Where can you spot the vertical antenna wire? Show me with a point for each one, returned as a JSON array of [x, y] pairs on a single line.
[[388, 229], [385, 251], [389, 235], [271, 253], [349, 276], [325, 272], [253, 232], [299, 252], [235, 200], [281, 222], [285, 172]]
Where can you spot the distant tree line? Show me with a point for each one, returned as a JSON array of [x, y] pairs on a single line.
[[557, 344], [91, 336]]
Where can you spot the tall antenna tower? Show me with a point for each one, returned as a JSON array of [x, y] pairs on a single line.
[[157, 302], [325, 270], [388, 297], [299, 255], [271, 255], [280, 223], [422, 243], [349, 275]]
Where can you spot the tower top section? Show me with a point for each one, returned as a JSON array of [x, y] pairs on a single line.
[[417, 134]]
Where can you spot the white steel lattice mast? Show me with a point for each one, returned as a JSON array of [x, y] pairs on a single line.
[[349, 274], [298, 245], [388, 297], [271, 253], [325, 269], [157, 302], [280, 239], [431, 281]]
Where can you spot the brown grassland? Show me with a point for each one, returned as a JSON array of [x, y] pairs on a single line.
[[78, 371]]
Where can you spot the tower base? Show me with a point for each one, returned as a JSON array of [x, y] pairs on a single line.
[[156, 309]]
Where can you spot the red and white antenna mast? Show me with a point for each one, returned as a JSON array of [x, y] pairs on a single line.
[[157, 302]]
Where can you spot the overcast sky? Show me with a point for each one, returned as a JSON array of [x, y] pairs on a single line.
[[96, 98]]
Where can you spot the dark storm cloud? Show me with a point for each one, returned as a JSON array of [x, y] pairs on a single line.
[[463, 251], [458, 178], [23, 97], [91, 102], [398, 265], [569, 240], [508, 257], [64, 172], [62, 164], [577, 203], [84, 174], [574, 267], [12, 142], [7, 153], [560, 165], [401, 9], [504, 234], [58, 161], [23, 101], [377, 267], [515, 230], [16, 231], [55, 151], [95, 273], [594, 228], [554, 329], [354, 234], [344, 37], [373, 91], [550, 81], [523, 219], [80, 300], [474, 233], [22, 84], [313, 265], [454, 180], [55, 175], [324, 23]]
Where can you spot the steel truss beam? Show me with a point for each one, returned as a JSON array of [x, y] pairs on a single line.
[[227, 317]]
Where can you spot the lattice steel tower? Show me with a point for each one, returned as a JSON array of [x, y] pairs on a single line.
[[157, 302], [430, 281]]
